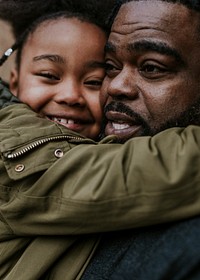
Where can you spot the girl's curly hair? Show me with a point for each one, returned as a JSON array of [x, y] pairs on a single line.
[[22, 13]]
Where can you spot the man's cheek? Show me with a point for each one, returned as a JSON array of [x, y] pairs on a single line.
[[103, 94]]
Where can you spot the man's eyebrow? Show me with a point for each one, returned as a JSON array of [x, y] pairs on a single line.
[[51, 57], [155, 46]]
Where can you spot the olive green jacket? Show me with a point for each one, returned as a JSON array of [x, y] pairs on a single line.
[[58, 191]]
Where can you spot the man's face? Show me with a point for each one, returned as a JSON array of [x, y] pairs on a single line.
[[153, 69]]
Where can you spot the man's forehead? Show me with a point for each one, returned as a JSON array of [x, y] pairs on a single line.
[[159, 19], [152, 11]]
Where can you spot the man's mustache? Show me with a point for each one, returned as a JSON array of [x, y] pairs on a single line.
[[120, 107]]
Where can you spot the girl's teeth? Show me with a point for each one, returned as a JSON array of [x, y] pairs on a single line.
[[63, 121]]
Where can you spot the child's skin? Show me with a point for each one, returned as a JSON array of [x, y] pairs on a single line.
[[61, 71]]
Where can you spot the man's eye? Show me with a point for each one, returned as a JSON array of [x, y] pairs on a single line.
[[111, 70], [110, 67], [49, 76], [152, 71]]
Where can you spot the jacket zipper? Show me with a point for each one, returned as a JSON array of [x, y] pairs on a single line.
[[35, 144]]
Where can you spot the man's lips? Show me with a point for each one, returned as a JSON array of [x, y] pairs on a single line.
[[119, 117], [121, 124]]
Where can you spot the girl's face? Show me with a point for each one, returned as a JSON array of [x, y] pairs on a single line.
[[61, 72]]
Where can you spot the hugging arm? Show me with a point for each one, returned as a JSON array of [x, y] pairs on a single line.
[[77, 186]]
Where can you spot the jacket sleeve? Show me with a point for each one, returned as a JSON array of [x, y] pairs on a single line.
[[97, 187], [6, 97]]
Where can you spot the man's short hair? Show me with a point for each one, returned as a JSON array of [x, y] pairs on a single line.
[[190, 4]]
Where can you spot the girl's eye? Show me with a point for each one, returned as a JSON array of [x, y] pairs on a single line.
[[49, 76], [94, 83]]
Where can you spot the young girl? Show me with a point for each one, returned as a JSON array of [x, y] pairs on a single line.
[[60, 69], [63, 92]]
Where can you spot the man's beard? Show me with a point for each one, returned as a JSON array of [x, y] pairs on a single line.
[[191, 116]]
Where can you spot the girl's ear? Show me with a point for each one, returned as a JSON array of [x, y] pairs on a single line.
[[13, 84]]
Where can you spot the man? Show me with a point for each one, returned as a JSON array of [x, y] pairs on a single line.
[[38, 203], [152, 82], [145, 66]]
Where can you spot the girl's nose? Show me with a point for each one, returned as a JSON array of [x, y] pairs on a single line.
[[70, 93]]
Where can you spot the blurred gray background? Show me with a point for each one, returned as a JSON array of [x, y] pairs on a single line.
[[6, 40]]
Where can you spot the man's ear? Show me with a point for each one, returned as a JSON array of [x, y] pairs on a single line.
[[13, 84]]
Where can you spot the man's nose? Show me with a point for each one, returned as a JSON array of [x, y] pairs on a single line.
[[70, 93], [123, 86]]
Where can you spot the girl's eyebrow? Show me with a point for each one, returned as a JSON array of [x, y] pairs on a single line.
[[95, 64], [59, 59], [51, 57]]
